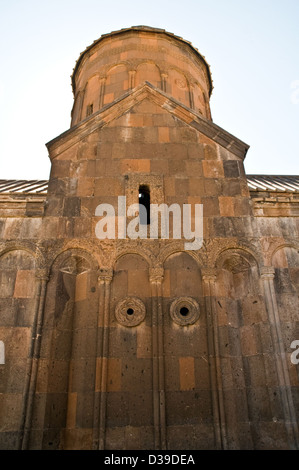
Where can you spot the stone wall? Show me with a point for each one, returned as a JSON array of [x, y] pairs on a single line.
[[140, 343]]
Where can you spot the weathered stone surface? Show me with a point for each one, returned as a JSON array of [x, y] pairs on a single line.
[[108, 341]]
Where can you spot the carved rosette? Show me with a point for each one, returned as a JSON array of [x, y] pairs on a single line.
[[130, 311], [184, 311]]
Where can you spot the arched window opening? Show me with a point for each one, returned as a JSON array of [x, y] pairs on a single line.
[[145, 200], [89, 110]]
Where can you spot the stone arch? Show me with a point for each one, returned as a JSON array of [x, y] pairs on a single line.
[[220, 253], [69, 345], [18, 307], [131, 277], [178, 86], [148, 71], [199, 99], [88, 262], [188, 399], [129, 368], [77, 107], [246, 359], [31, 248], [285, 261], [91, 96], [142, 251], [282, 257], [176, 247], [116, 83]]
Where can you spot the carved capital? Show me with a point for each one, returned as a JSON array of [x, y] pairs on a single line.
[[42, 274], [105, 275], [209, 274], [156, 274], [267, 272]]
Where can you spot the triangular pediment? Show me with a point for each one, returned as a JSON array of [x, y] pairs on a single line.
[[127, 102]]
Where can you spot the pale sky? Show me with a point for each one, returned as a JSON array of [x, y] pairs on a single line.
[[252, 47]]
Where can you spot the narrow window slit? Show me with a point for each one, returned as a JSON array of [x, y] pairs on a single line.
[[145, 200]]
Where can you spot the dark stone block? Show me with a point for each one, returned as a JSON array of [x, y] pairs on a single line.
[[188, 407], [9, 440], [231, 169], [72, 207]]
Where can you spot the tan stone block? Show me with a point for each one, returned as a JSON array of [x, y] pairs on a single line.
[[279, 258], [148, 107], [212, 187], [187, 135], [163, 133], [85, 186], [196, 186], [82, 226], [148, 120], [144, 340], [195, 151], [12, 227], [248, 342], [177, 167], [182, 187], [7, 283], [213, 169], [135, 166], [108, 98], [60, 168], [104, 150], [187, 378], [81, 287], [71, 410], [242, 206], [169, 187], [193, 168], [77, 439], [210, 206], [210, 152], [135, 120], [108, 187], [12, 404], [293, 373], [25, 284], [166, 284], [138, 283], [100, 166], [159, 167], [52, 228], [16, 341], [226, 206], [118, 150], [221, 312], [114, 375]]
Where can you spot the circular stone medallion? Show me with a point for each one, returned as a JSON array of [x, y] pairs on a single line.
[[130, 311], [184, 311]]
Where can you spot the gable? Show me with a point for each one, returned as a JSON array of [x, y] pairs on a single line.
[[147, 107]]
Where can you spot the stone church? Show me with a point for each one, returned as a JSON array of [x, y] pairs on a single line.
[[139, 342]]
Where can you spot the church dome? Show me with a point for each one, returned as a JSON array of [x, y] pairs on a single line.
[[121, 60]]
